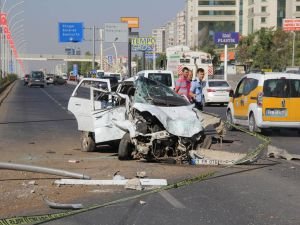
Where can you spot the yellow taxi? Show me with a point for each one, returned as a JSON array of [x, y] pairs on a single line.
[[261, 101]]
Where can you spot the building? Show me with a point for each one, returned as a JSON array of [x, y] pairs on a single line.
[[292, 9], [160, 37], [180, 28], [204, 18], [170, 34]]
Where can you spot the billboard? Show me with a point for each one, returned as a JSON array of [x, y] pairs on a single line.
[[291, 25], [70, 32], [133, 22], [226, 38], [116, 32], [146, 44]]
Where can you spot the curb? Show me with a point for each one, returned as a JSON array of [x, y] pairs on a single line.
[[3, 88]]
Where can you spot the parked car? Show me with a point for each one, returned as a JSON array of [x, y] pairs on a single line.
[[117, 75], [149, 119], [36, 79], [64, 76], [49, 79], [266, 101], [58, 80], [26, 79], [216, 91]]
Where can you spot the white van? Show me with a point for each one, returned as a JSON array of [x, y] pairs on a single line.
[[165, 77]]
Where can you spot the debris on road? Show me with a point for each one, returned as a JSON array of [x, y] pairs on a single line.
[[73, 161], [141, 174], [143, 202], [213, 157], [55, 205], [277, 153], [144, 182], [134, 184], [118, 177], [37, 169], [32, 183]]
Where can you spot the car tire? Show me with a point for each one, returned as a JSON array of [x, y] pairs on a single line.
[[252, 123], [229, 119], [87, 142], [125, 148]]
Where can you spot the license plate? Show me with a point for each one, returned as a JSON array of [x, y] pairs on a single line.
[[276, 112]]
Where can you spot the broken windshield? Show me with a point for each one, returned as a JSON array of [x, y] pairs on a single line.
[[155, 93]]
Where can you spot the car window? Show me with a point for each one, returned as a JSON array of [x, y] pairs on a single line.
[[240, 89], [218, 84], [295, 88], [277, 88], [250, 85], [37, 75], [164, 78], [83, 90]]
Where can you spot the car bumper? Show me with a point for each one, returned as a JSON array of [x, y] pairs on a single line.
[[211, 98]]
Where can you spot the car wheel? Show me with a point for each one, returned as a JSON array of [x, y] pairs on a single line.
[[125, 148], [87, 142], [252, 123], [229, 120]]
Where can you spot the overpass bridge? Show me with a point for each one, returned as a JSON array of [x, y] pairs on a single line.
[[65, 58]]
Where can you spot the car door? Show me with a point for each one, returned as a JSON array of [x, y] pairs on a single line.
[[249, 96], [238, 101], [82, 104], [295, 98]]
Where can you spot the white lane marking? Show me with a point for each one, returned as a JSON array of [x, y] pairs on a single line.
[[53, 99], [172, 200]]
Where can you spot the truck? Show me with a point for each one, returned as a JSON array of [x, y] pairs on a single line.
[[179, 57]]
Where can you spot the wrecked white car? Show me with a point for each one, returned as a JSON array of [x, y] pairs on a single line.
[[148, 119]]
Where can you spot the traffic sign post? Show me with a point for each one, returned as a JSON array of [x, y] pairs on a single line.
[[110, 59], [70, 32], [226, 38], [292, 25], [116, 32], [75, 70]]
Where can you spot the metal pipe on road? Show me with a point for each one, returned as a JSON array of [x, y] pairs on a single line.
[[37, 169]]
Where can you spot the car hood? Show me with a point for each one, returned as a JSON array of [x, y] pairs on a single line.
[[181, 121]]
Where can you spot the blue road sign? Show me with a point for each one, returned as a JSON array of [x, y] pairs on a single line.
[[150, 56], [70, 32], [226, 38], [110, 59], [75, 69]]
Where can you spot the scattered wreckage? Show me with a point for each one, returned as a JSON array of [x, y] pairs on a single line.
[[144, 118]]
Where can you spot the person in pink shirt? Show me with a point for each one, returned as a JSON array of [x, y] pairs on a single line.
[[183, 84]]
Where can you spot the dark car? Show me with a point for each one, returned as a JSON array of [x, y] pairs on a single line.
[[37, 78], [58, 80], [26, 79]]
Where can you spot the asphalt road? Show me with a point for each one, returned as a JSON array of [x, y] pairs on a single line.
[[266, 193]]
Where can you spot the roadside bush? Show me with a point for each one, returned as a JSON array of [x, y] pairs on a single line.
[[8, 78]]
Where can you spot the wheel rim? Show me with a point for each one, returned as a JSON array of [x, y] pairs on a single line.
[[229, 119], [251, 124]]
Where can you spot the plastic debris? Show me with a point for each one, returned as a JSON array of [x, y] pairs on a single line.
[[134, 184]]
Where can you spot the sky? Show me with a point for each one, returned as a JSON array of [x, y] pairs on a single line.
[[41, 18]]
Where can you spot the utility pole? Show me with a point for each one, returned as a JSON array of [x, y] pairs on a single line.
[[129, 53], [94, 47], [101, 48]]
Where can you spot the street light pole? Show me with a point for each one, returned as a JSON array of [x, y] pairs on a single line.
[[293, 54], [94, 48], [101, 48]]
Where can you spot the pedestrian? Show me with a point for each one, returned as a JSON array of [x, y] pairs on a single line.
[[196, 89], [183, 85]]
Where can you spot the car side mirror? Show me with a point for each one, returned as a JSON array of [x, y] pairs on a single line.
[[231, 93]]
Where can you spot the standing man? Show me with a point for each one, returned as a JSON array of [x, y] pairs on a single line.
[[183, 85], [196, 89]]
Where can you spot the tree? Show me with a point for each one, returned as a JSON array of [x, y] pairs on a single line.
[[265, 49]]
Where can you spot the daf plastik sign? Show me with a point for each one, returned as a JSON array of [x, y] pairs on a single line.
[[226, 38]]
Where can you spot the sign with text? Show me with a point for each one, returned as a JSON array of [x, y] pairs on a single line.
[[70, 32], [143, 44], [226, 38], [132, 22], [116, 32], [291, 24], [110, 59]]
